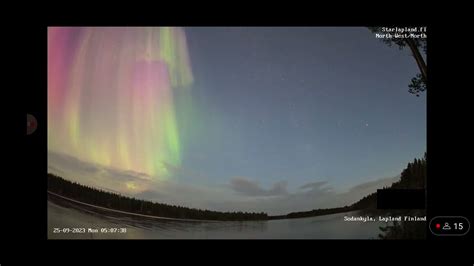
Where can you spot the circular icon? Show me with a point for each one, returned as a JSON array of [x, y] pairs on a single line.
[[31, 124]]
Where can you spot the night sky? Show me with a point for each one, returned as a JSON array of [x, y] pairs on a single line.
[[231, 117]]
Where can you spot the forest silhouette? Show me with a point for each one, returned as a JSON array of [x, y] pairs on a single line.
[[412, 177]]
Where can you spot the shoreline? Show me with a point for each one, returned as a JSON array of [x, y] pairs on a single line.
[[274, 217]]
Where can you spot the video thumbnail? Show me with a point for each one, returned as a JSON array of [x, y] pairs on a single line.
[[236, 132]]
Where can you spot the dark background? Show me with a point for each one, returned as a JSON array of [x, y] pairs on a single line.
[[449, 137]]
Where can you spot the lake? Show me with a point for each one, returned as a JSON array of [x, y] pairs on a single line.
[[71, 216]]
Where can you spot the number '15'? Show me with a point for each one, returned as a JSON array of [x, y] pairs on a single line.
[[458, 226]]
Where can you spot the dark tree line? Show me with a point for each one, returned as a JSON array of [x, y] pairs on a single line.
[[316, 212], [413, 176], [114, 201]]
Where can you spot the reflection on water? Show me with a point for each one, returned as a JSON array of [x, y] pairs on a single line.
[[320, 227]]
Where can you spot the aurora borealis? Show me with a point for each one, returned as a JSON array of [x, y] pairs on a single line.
[[273, 119], [110, 95]]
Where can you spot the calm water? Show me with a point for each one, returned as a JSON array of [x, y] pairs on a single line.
[[320, 227]]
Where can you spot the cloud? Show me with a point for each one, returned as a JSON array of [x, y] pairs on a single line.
[[314, 185], [239, 193], [368, 187], [126, 175], [246, 187], [309, 196], [62, 162], [134, 184], [101, 177]]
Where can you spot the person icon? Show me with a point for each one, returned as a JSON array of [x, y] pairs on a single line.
[[446, 226]]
